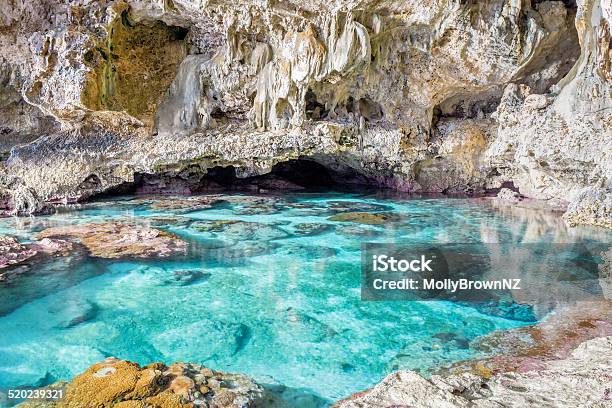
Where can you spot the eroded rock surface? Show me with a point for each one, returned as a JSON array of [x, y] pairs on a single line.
[[592, 206], [120, 383], [581, 379], [117, 240], [446, 96], [560, 362]]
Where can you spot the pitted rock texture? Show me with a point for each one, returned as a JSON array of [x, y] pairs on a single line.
[[592, 206], [120, 383], [448, 96]]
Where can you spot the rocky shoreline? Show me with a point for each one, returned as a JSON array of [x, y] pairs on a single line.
[[561, 362], [581, 379]]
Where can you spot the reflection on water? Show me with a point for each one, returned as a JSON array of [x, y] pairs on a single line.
[[270, 287]]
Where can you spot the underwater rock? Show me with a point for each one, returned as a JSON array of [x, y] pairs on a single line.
[[120, 383], [577, 380], [212, 226], [168, 221], [306, 327], [360, 231], [186, 277], [318, 252], [311, 228], [74, 312], [116, 240], [182, 204], [208, 338], [356, 206], [237, 231], [365, 218]]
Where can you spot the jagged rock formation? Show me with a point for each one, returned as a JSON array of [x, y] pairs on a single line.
[[450, 96]]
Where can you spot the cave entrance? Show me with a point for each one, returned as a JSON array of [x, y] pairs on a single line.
[[295, 174], [292, 175]]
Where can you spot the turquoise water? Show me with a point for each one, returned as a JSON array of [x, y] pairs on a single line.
[[275, 294]]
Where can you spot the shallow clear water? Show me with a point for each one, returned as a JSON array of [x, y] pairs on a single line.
[[275, 295]]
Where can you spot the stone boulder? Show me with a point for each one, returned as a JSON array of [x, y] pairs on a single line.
[[17, 258]]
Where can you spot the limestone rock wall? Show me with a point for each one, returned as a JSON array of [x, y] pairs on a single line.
[[438, 96]]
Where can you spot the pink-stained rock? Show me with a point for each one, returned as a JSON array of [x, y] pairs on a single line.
[[117, 240], [560, 362], [57, 247], [13, 253], [529, 348]]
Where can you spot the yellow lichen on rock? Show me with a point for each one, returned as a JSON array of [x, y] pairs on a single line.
[[102, 384], [123, 384]]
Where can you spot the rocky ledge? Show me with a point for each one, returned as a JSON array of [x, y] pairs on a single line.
[[108, 240], [420, 96], [16, 258], [123, 384], [581, 379], [562, 362], [117, 240]]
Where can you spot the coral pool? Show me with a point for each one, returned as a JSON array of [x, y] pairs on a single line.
[[268, 286]]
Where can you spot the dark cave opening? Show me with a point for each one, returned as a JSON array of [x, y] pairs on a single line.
[[570, 4], [306, 173], [292, 175], [315, 110], [295, 174]]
